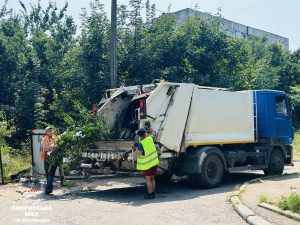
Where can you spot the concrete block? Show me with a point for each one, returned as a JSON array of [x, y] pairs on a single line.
[[243, 211], [235, 200], [256, 220], [235, 192], [244, 186]]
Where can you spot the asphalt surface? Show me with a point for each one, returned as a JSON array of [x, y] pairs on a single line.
[[120, 201]]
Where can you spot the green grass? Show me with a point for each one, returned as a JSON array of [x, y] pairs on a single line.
[[296, 145], [290, 203], [13, 163], [265, 199]]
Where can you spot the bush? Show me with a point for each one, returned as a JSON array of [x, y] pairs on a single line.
[[13, 162], [83, 128], [296, 144], [290, 203]]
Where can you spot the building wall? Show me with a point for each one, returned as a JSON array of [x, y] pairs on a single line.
[[234, 29]]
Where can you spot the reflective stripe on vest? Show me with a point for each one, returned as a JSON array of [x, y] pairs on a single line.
[[150, 158]]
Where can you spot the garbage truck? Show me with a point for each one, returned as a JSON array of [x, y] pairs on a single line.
[[202, 132]]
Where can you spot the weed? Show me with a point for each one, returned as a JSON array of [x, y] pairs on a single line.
[[88, 179], [265, 199], [290, 203], [292, 187], [237, 187], [69, 184]]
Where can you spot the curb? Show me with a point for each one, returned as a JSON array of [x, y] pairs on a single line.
[[286, 213], [244, 211], [247, 214]]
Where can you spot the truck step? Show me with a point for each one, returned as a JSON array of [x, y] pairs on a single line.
[[241, 154], [249, 167]]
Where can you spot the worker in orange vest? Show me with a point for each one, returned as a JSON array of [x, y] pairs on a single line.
[[48, 146]]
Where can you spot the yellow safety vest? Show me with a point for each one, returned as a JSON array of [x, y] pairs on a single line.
[[150, 158]]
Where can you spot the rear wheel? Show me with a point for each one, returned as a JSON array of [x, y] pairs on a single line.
[[211, 175], [276, 163]]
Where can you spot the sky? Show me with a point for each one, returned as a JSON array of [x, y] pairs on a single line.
[[281, 17]]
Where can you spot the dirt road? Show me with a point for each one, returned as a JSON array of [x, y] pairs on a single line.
[[120, 201]]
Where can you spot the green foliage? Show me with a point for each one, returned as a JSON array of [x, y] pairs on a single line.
[[13, 160], [6, 129], [290, 203], [265, 199], [82, 129], [41, 56], [14, 163], [296, 145], [295, 102]]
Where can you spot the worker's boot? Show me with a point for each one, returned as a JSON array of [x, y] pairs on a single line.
[[148, 196]]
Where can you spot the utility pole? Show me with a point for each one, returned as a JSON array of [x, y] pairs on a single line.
[[2, 179], [113, 45]]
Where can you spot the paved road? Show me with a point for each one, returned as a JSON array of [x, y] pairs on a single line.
[[120, 201]]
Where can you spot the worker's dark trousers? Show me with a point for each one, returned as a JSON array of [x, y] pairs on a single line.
[[46, 167], [50, 178]]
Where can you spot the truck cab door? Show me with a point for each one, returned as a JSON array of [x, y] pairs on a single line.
[[283, 119]]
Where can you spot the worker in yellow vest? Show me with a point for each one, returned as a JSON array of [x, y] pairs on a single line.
[[48, 146], [147, 160]]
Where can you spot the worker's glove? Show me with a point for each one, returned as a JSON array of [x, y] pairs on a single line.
[[147, 124]]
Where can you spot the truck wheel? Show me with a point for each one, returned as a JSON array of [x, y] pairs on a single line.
[[211, 175], [164, 178], [276, 163]]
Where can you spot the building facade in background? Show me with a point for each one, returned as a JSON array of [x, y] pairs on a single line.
[[234, 29]]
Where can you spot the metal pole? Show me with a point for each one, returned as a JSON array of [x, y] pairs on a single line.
[[113, 45], [31, 142], [2, 179]]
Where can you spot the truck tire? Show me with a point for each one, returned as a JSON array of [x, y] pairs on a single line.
[[164, 178], [211, 175], [276, 163]]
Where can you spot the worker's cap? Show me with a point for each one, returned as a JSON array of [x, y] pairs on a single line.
[[141, 132], [49, 127]]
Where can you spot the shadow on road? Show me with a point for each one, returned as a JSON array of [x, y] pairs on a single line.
[[177, 190]]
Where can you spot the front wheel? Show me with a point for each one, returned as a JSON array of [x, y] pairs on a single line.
[[276, 163], [211, 175]]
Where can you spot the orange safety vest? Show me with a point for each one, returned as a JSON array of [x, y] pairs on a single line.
[[43, 155]]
